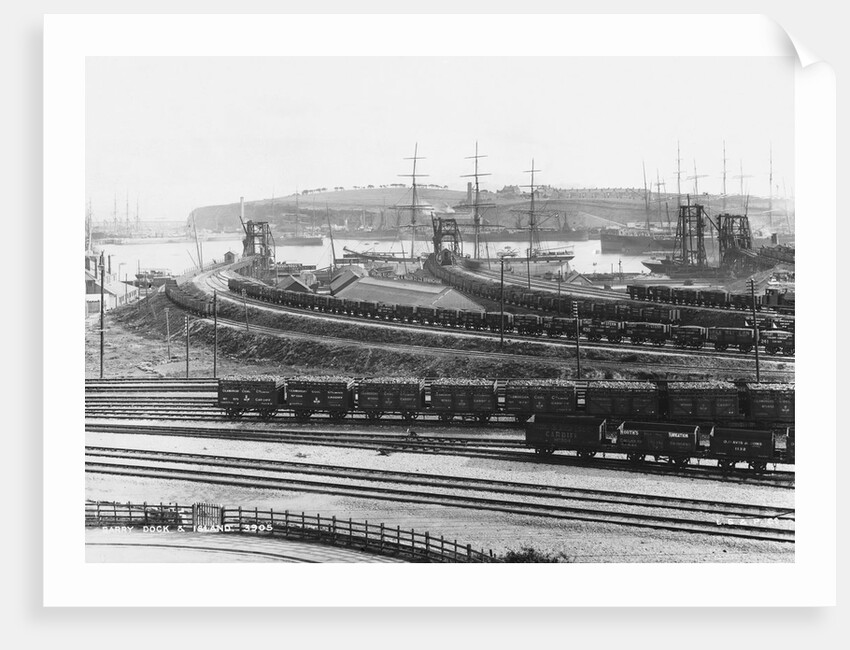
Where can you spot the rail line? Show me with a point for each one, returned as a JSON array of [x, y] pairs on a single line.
[[224, 294], [451, 491], [503, 449]]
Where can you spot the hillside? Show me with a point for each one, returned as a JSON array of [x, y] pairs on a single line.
[[589, 208]]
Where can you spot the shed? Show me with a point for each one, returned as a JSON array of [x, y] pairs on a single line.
[[291, 283]]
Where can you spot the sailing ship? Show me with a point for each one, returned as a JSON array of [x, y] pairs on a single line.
[[539, 260], [295, 239]]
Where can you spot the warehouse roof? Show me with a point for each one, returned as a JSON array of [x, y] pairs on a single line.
[[291, 283], [400, 292]]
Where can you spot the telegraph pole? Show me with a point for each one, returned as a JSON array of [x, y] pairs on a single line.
[[578, 349], [560, 279], [168, 331], [102, 280], [245, 304], [502, 304], [187, 346], [755, 328], [215, 332]]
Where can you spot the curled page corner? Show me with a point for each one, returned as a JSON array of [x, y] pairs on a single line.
[[804, 55]]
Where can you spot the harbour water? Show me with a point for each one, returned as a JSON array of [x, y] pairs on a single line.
[[180, 256]]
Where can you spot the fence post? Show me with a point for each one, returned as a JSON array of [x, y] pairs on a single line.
[[412, 543], [271, 524], [351, 532], [455, 552], [382, 538], [256, 518], [145, 510], [240, 519], [318, 526], [427, 545], [442, 549], [286, 524], [333, 530], [398, 538], [468, 552], [366, 532]]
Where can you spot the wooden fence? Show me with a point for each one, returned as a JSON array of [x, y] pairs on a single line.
[[362, 535]]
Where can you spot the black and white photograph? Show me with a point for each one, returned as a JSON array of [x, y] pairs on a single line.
[[440, 310], [408, 309]]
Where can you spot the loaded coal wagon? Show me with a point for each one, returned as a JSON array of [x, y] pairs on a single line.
[[379, 396], [464, 398], [263, 393], [309, 395], [626, 399], [527, 397], [706, 401]]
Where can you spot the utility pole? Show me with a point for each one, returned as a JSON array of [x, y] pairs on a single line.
[[102, 280], [502, 304], [168, 331], [678, 175], [560, 279], [215, 332], [245, 304], [187, 346], [755, 328], [578, 348]]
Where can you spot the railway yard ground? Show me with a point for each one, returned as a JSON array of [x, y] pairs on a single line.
[[135, 347]]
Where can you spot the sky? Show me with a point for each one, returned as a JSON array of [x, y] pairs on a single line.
[[180, 133]]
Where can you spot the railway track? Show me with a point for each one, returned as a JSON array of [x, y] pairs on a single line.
[[218, 283], [604, 294], [504, 448], [627, 509]]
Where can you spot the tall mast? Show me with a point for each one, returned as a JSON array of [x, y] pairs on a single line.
[[331, 234], [477, 205], [658, 184], [678, 176], [138, 223], [770, 183], [645, 196], [414, 203], [115, 211], [532, 222], [724, 177]]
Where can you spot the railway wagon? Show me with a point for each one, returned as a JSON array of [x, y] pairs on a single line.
[[309, 395], [497, 320], [654, 333], [777, 342], [549, 433], [264, 393], [708, 401], [627, 399], [753, 446], [725, 337], [464, 397], [527, 397], [770, 402], [689, 336], [675, 443], [378, 396], [528, 324]]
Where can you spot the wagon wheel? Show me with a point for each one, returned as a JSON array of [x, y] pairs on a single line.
[[757, 465], [726, 465], [522, 417], [544, 451], [301, 414], [680, 461], [267, 414], [745, 347], [338, 415], [636, 458], [407, 416], [660, 343], [373, 415], [483, 417], [586, 454], [447, 417]]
